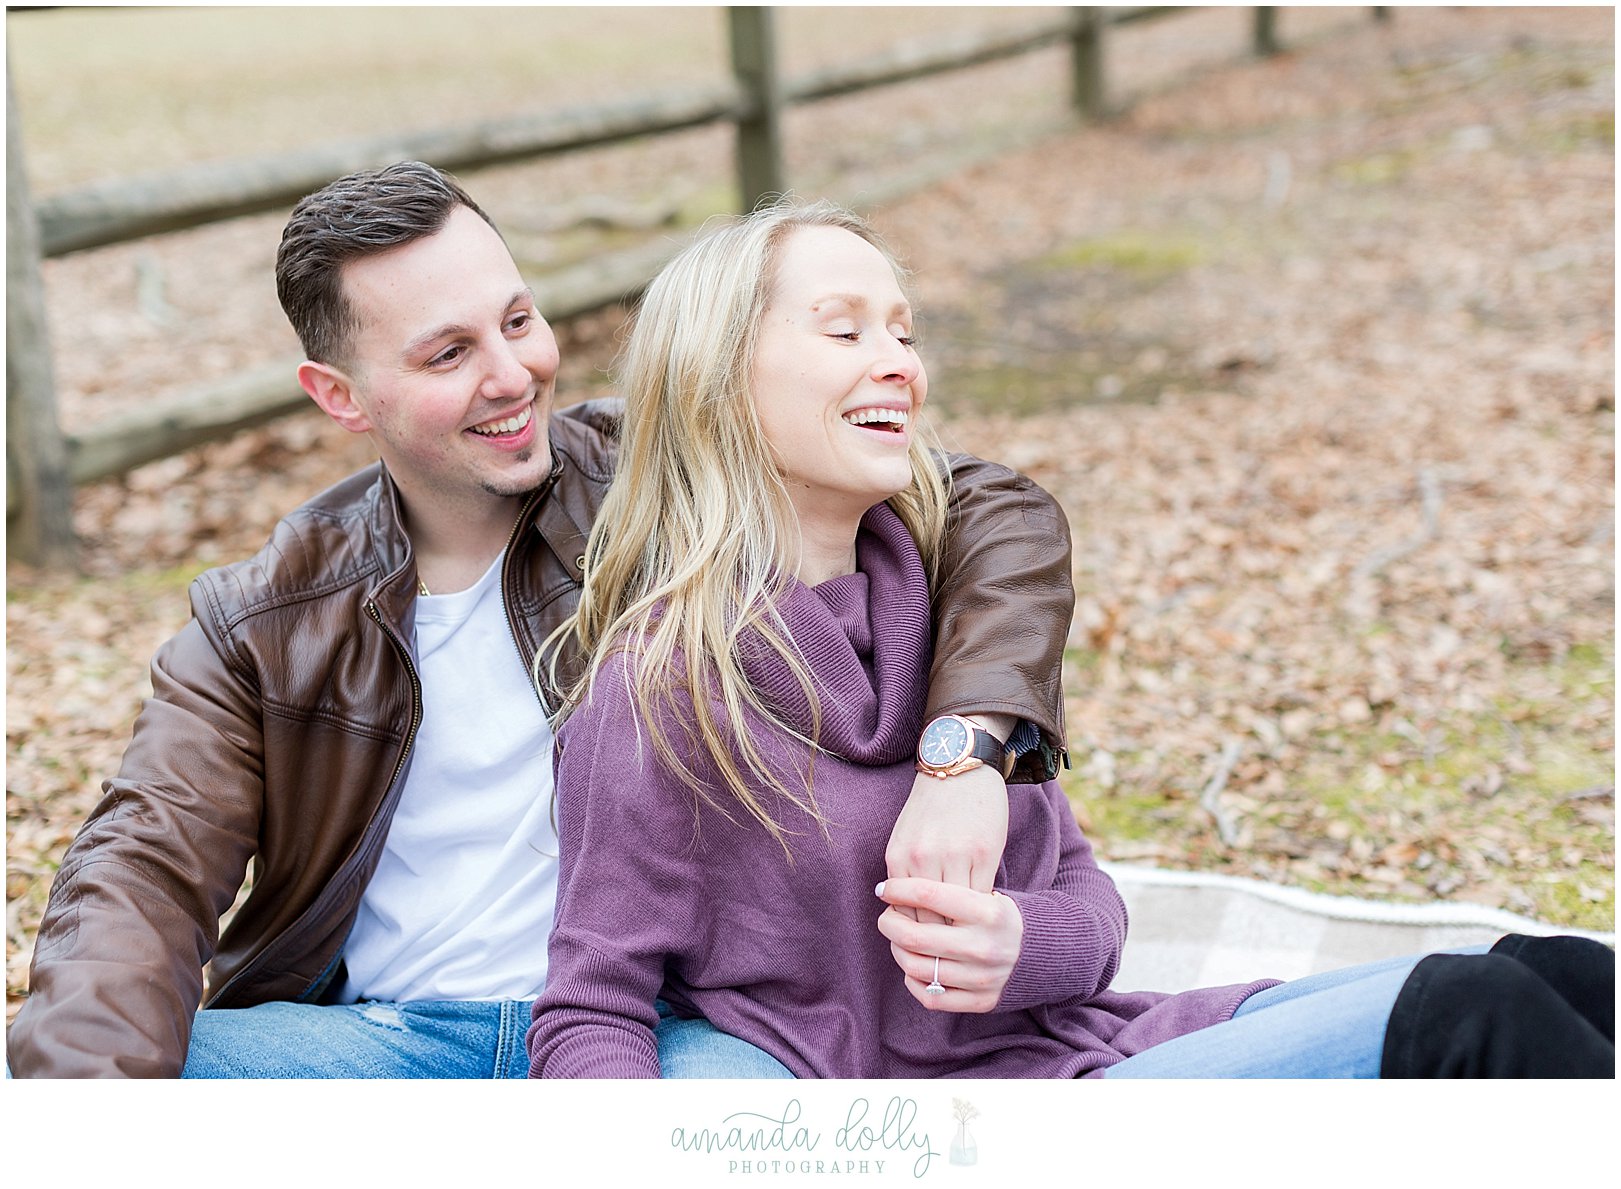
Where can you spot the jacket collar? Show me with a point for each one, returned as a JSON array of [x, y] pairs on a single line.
[[396, 591]]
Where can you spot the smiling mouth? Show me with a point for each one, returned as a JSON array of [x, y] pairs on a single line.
[[883, 420], [496, 429]]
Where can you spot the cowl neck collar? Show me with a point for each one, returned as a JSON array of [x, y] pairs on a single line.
[[865, 639]]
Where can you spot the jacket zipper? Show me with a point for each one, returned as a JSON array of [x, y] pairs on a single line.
[[416, 690], [506, 611]]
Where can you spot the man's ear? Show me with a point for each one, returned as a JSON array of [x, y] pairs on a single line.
[[334, 391]]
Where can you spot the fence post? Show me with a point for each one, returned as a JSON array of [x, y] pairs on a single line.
[[759, 132], [1090, 80], [39, 494], [1266, 32]]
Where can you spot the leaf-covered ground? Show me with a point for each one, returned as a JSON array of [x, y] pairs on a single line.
[[1316, 352], [1343, 491]]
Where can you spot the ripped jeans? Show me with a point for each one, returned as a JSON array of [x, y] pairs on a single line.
[[429, 1039]]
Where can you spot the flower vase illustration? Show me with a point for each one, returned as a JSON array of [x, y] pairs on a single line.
[[963, 1148]]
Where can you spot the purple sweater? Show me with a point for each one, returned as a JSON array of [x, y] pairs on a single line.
[[660, 899]]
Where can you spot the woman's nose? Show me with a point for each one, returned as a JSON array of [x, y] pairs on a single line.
[[897, 364]]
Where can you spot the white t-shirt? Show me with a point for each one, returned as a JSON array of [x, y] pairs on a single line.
[[461, 904]]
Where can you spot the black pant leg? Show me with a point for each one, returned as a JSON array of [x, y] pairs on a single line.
[[1488, 1016], [1579, 968]]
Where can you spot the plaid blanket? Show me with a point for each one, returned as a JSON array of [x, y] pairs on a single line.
[[1190, 929]]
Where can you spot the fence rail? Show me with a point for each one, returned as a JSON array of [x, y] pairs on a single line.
[[129, 208], [44, 464]]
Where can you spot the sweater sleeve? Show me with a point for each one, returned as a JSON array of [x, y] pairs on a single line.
[[1074, 931], [626, 885]]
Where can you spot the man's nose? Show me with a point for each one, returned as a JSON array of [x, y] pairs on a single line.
[[507, 376]]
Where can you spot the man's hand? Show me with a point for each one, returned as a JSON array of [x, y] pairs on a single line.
[[972, 951]]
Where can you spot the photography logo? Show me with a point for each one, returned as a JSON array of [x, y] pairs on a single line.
[[964, 1149], [864, 1139]]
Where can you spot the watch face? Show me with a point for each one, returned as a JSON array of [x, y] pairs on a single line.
[[945, 740]]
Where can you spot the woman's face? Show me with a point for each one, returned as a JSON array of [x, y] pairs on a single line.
[[836, 379]]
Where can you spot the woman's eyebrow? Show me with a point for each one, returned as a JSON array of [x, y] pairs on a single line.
[[856, 301]]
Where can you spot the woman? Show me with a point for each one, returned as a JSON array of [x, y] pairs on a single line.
[[756, 610]]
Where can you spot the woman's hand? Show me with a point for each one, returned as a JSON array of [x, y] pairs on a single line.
[[975, 935], [951, 830], [954, 830]]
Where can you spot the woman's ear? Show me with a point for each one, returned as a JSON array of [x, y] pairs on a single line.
[[334, 391]]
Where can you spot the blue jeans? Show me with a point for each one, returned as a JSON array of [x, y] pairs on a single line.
[[1329, 1025], [431, 1039]]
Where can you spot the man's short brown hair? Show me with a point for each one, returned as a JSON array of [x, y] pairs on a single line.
[[360, 214]]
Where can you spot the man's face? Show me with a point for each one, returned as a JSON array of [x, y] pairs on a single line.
[[453, 368]]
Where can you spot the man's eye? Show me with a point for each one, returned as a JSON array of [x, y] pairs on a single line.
[[520, 321], [447, 356]]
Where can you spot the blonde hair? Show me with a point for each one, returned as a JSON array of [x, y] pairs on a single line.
[[696, 538]]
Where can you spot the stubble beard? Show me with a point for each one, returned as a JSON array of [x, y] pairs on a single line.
[[513, 488]]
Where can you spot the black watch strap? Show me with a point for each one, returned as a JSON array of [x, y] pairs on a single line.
[[992, 752]]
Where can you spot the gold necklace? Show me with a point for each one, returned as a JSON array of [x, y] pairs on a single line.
[[422, 587]]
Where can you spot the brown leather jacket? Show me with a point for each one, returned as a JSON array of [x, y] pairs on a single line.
[[281, 725]]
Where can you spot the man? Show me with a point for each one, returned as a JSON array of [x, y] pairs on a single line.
[[351, 711]]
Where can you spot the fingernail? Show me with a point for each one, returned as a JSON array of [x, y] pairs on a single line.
[[879, 890]]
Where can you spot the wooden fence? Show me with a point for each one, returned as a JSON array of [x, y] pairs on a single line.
[[44, 464]]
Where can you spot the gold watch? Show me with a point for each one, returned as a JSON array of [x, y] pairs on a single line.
[[951, 744]]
